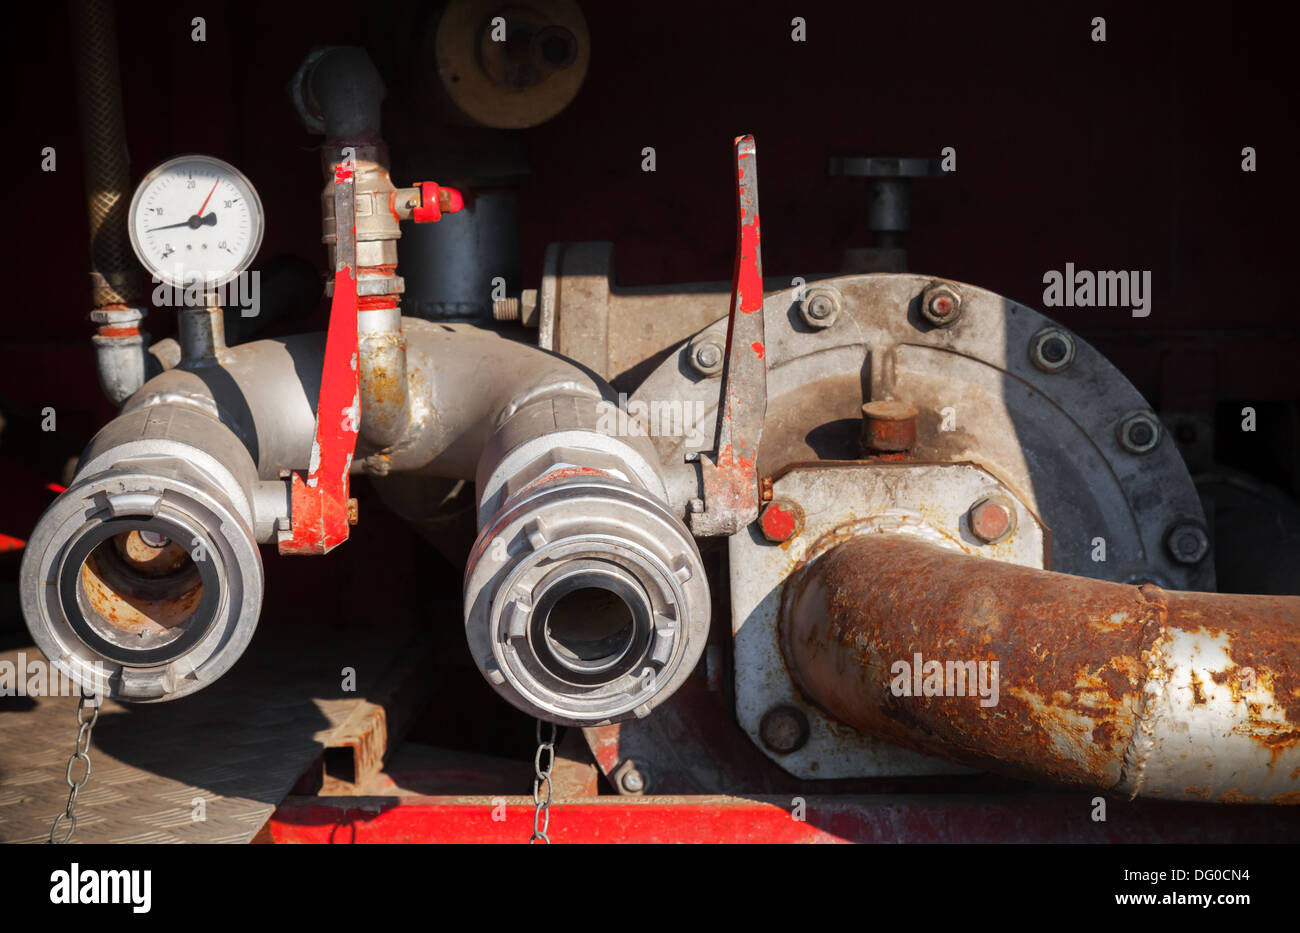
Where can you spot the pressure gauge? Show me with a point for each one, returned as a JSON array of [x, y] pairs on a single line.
[[195, 220]]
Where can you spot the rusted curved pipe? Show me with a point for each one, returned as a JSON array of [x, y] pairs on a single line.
[[1138, 690]]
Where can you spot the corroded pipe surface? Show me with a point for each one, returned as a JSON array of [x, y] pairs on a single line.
[[1190, 696]]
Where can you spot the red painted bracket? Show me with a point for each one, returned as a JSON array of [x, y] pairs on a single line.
[[730, 475], [321, 511]]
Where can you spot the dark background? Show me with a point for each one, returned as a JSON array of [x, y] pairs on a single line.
[[1117, 155]]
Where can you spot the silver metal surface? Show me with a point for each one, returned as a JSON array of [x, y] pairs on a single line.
[[120, 357], [1051, 438], [641, 615], [117, 626]]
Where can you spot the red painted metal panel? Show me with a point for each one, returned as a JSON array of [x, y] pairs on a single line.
[[1063, 818]]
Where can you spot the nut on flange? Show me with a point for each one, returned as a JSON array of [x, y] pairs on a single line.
[[1187, 543], [820, 307], [784, 729], [706, 354], [941, 305], [780, 520], [1051, 349], [1138, 432], [992, 519]]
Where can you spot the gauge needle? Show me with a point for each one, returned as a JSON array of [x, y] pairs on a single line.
[[193, 223], [198, 220], [199, 212]]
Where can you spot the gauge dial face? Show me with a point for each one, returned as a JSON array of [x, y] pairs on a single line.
[[195, 219]]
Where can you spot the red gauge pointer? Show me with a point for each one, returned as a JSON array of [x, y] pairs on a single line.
[[199, 212]]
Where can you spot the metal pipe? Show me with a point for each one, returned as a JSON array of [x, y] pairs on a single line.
[[114, 277], [207, 442], [266, 391], [339, 92], [1047, 676], [113, 270], [143, 580]]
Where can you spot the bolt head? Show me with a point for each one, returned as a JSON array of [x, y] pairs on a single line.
[[820, 308], [941, 305], [706, 357], [1138, 432], [1187, 543], [784, 729], [1051, 349], [992, 519], [780, 520], [632, 781], [708, 354]]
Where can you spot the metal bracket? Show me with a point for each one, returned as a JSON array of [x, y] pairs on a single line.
[[320, 509], [730, 474]]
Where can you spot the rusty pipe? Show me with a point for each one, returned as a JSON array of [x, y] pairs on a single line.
[[1131, 689]]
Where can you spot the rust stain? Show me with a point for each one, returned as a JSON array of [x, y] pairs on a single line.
[[1075, 655], [139, 589]]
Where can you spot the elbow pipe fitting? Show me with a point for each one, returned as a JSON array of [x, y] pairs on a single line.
[[339, 92], [1134, 690]]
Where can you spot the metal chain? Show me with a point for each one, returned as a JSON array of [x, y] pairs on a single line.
[[542, 807], [84, 727]]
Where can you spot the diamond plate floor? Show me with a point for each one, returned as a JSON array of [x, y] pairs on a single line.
[[238, 745]]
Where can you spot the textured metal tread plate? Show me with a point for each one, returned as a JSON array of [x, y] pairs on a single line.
[[238, 745]]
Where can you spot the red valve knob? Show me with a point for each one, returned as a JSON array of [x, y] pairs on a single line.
[[436, 201]]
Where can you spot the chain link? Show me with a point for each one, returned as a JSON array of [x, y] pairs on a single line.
[[542, 807], [84, 726]]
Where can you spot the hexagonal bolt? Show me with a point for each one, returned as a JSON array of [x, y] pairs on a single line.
[[941, 305], [1051, 349], [1138, 432], [780, 520], [820, 307], [1187, 543], [992, 519], [784, 729], [706, 355]]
